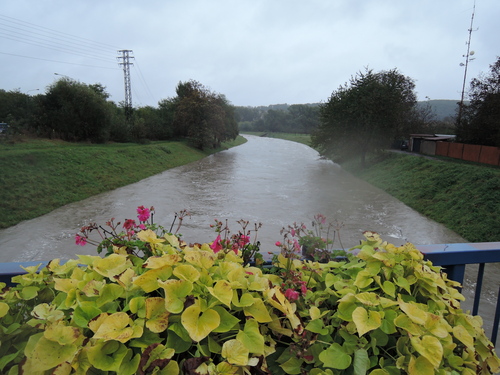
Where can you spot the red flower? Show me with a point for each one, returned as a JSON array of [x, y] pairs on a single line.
[[129, 224], [291, 295], [216, 246], [79, 240], [143, 212]]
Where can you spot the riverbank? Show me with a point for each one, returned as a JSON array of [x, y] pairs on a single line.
[[463, 196], [40, 175]]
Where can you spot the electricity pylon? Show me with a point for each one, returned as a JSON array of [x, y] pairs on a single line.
[[125, 62]]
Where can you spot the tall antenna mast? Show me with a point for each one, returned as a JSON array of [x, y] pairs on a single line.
[[125, 61], [467, 59]]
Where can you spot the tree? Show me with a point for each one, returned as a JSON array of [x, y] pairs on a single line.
[[205, 117], [480, 122], [75, 111], [364, 115]]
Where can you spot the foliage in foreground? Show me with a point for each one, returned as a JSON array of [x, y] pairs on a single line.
[[197, 309]]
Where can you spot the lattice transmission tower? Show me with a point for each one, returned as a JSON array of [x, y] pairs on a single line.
[[125, 62]]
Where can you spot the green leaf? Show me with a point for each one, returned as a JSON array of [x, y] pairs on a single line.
[[107, 356], [112, 265], [361, 362], [317, 326], [44, 354], [227, 320], [293, 366], [414, 312], [366, 321], [84, 313], [29, 292], [258, 311], [178, 343], [389, 288], [463, 336], [335, 357], [251, 337], [148, 281]]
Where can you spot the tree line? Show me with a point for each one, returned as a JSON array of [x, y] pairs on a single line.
[[75, 111], [377, 110]]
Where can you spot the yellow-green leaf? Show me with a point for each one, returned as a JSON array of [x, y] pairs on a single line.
[[222, 291], [148, 281], [463, 336], [176, 292], [420, 366], [251, 337], [45, 354], [227, 320], [199, 324], [414, 312], [429, 347], [199, 258], [4, 309], [117, 326], [235, 352], [156, 314], [258, 311], [112, 265], [187, 272], [365, 320], [163, 261], [62, 334], [245, 300], [368, 298]]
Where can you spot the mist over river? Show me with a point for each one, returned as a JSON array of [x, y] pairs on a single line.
[[272, 181]]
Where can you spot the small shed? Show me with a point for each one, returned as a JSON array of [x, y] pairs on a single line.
[[426, 143]]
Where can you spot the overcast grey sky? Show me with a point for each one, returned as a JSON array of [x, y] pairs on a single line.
[[256, 52]]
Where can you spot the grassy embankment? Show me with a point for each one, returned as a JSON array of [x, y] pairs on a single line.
[[38, 176], [463, 196]]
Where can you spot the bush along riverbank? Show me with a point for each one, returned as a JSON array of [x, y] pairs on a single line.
[[41, 175], [156, 305]]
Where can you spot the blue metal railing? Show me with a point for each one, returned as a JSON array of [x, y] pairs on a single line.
[[453, 257]]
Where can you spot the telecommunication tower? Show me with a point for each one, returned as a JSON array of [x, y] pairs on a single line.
[[125, 62]]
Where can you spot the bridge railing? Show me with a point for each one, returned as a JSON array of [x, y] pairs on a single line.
[[453, 257]]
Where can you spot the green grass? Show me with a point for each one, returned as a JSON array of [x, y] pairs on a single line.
[[463, 196], [38, 176]]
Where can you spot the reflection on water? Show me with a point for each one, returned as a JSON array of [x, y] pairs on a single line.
[[272, 181]]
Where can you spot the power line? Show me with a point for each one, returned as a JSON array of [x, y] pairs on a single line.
[[80, 40], [61, 62]]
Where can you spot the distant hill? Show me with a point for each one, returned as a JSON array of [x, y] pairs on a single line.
[[442, 107]]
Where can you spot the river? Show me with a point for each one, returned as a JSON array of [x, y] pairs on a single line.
[[272, 181]]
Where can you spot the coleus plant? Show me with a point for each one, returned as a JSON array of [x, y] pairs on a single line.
[[198, 309]]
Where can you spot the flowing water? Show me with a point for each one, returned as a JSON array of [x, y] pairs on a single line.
[[265, 180]]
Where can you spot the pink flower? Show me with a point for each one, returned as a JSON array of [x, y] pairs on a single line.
[[79, 240], [129, 224], [291, 295], [143, 212], [292, 232], [303, 288], [141, 226], [278, 243], [216, 246], [243, 240]]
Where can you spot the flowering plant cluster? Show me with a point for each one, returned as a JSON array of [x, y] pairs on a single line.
[[199, 309]]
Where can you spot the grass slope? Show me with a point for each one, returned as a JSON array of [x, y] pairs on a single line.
[[40, 175]]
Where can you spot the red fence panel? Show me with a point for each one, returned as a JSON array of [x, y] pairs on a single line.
[[471, 152], [490, 155], [442, 148], [456, 150]]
